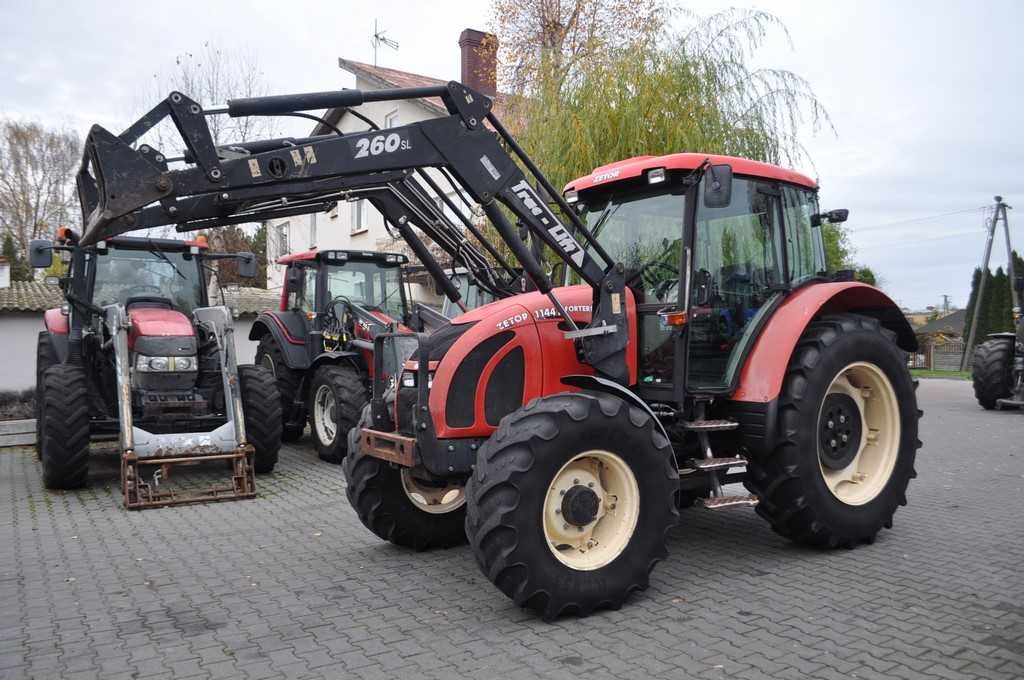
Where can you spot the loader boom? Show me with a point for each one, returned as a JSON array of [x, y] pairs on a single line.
[[122, 188]]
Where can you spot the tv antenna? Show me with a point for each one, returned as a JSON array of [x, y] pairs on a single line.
[[380, 39]]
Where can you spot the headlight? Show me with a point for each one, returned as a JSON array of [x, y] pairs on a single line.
[[165, 364]]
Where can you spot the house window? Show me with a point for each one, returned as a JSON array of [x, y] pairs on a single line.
[[391, 119], [358, 217], [282, 239]]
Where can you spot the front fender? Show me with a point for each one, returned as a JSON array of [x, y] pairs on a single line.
[[765, 367], [355, 358]]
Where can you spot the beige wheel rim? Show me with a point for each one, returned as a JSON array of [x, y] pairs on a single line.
[[435, 500], [874, 460], [587, 545]]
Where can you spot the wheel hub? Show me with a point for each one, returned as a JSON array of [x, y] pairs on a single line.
[[580, 505], [840, 430]]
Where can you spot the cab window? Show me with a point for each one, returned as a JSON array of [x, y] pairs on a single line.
[[802, 254]]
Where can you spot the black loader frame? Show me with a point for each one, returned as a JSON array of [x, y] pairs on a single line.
[[122, 188]]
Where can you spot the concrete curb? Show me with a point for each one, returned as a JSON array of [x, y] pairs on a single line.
[[17, 432]]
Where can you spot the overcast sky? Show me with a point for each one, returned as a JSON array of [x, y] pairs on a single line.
[[924, 96]]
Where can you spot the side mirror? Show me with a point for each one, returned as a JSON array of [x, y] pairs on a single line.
[[703, 281], [246, 265], [40, 253], [1019, 285], [293, 279], [718, 186], [832, 216]]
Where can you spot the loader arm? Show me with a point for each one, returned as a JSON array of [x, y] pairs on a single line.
[[122, 188]]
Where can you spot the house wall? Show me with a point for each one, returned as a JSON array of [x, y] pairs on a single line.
[[339, 229], [20, 332]]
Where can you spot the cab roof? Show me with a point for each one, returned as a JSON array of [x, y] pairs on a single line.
[[636, 166], [315, 254], [168, 244]]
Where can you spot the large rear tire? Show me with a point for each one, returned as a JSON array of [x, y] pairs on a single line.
[[64, 434], [992, 371], [46, 356], [270, 357], [396, 506], [337, 396], [570, 502], [848, 420], [262, 406]]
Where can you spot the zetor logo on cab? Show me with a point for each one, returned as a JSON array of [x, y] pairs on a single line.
[[605, 176]]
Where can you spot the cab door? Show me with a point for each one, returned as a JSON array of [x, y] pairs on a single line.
[[737, 278]]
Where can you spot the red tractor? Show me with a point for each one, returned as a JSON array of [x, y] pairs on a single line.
[[319, 343], [701, 343], [138, 353]]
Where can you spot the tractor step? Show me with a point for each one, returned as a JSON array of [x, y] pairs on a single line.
[[714, 463], [1010, 403], [710, 425], [726, 502]]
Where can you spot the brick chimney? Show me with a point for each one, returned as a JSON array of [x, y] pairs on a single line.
[[479, 60]]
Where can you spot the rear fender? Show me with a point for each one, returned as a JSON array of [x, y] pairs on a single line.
[[289, 331], [333, 358], [56, 323], [765, 367]]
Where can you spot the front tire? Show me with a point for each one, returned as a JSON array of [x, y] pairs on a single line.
[[992, 371], [64, 440], [570, 502], [46, 357], [270, 357], [262, 406], [395, 506], [848, 420], [336, 400]]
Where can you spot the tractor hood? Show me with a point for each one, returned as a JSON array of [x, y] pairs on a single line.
[[158, 323]]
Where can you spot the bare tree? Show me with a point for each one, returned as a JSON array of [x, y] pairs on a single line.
[[37, 166], [554, 37], [211, 76]]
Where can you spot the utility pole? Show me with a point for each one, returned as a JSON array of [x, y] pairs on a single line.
[[1009, 253], [945, 303], [997, 213]]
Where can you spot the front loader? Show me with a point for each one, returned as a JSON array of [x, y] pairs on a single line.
[[698, 342], [138, 353]]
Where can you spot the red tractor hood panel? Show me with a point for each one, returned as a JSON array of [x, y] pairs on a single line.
[[149, 321]]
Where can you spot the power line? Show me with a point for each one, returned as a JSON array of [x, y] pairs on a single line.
[[926, 218]]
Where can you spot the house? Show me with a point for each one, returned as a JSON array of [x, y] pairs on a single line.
[[357, 225], [22, 304], [940, 344]]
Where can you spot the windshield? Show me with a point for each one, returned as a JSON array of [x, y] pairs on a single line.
[[472, 296], [644, 233], [367, 284], [123, 274]]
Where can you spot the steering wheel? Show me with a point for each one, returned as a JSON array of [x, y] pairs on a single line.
[[655, 266], [144, 288]]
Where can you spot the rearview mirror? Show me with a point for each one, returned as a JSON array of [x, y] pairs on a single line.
[[40, 253], [246, 265], [718, 186], [703, 282], [836, 216]]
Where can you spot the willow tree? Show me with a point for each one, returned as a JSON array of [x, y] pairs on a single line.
[[666, 91]]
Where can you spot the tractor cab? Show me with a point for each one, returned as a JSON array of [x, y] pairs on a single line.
[[319, 342], [715, 250], [343, 293]]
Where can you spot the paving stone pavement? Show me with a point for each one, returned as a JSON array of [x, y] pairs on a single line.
[[292, 585]]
